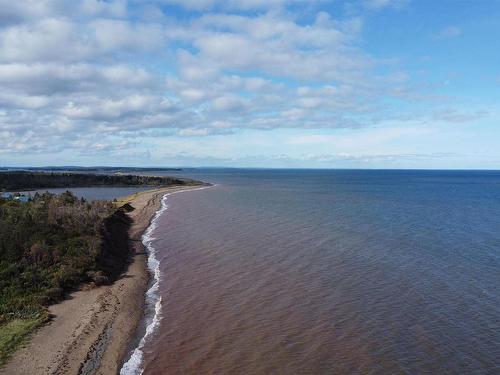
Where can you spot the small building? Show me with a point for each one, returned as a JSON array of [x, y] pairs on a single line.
[[7, 196], [22, 198], [18, 197]]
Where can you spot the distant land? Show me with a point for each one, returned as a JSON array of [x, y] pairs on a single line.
[[28, 180], [89, 169]]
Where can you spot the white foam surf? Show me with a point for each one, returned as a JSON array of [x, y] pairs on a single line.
[[134, 365]]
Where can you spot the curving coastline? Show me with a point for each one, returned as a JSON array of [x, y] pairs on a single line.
[[152, 300], [133, 366], [91, 331]]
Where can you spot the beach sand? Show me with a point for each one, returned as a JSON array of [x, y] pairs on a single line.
[[91, 331]]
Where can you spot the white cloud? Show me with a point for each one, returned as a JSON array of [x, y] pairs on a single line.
[[117, 8], [86, 74], [275, 44], [45, 39], [199, 5], [62, 39], [18, 11], [228, 103], [119, 35], [192, 94], [105, 110], [194, 132], [23, 101], [54, 78]]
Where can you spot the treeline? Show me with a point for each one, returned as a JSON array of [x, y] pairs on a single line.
[[49, 246], [91, 169], [36, 180]]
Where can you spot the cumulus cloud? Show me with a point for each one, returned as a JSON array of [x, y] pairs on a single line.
[[276, 45], [88, 73], [55, 78], [106, 109]]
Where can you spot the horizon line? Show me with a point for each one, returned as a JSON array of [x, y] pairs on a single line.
[[46, 167]]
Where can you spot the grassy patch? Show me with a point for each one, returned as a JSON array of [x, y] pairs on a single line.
[[129, 198], [14, 333]]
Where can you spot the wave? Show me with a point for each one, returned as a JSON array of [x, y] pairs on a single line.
[[134, 366]]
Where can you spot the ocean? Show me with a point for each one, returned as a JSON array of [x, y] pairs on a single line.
[[327, 272]]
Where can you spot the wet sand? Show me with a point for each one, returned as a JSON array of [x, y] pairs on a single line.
[[91, 331]]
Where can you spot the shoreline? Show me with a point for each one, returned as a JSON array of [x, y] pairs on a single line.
[[153, 300], [92, 330]]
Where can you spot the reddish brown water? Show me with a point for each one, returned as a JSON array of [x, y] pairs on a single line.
[[330, 274]]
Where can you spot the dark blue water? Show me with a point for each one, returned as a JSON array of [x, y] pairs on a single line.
[[330, 272]]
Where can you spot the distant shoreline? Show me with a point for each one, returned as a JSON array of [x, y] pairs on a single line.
[[90, 169], [28, 180], [92, 331]]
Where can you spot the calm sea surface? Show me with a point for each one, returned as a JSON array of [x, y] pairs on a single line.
[[96, 193], [330, 272]]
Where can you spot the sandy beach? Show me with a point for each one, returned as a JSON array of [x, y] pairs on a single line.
[[91, 331]]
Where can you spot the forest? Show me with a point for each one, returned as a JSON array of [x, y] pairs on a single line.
[[48, 247], [25, 180]]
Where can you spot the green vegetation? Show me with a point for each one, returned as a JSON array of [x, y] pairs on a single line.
[[49, 246], [19, 180], [92, 169], [14, 333]]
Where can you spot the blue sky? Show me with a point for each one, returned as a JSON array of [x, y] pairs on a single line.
[[250, 83]]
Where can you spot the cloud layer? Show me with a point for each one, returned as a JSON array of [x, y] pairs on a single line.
[[94, 75]]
